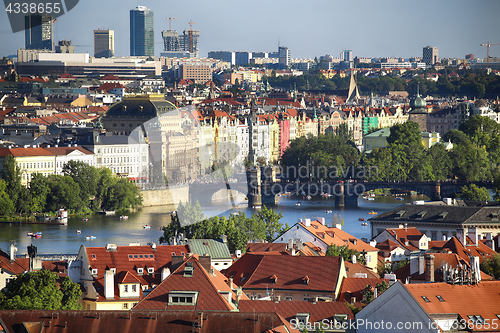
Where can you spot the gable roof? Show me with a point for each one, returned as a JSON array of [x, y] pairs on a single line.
[[354, 287], [128, 259], [15, 267], [336, 236], [207, 284], [254, 271]]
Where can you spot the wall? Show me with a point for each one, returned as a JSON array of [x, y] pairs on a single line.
[[170, 196]]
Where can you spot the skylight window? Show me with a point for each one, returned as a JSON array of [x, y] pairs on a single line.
[[441, 299], [426, 299], [476, 319]]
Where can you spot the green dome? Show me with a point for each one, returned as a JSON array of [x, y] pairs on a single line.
[[419, 102]]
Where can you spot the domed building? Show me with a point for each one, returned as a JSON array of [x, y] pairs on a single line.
[[418, 112]]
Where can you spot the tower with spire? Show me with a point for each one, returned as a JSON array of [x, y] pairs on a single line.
[[418, 111]]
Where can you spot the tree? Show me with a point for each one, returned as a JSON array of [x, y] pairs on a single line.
[[475, 193], [63, 193], [38, 190], [85, 176], [491, 266], [11, 173], [369, 291], [6, 204], [271, 221], [344, 252], [39, 290]]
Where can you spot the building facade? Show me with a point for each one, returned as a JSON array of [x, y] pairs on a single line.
[[104, 43], [142, 42], [430, 55], [38, 32]]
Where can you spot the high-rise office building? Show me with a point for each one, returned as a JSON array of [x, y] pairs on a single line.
[[284, 57], [104, 43], [430, 55], [142, 41], [38, 32], [346, 55]]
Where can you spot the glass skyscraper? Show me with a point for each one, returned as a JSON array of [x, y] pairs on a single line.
[[142, 41], [38, 32]]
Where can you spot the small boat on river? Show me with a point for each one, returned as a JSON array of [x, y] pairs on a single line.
[[123, 217], [146, 226], [373, 213], [89, 237]]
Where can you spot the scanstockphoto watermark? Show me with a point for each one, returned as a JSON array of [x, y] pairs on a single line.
[[332, 172], [31, 13], [362, 324]]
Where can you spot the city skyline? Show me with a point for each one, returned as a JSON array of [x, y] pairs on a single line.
[[385, 28]]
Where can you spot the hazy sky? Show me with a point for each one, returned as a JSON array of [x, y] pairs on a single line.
[[371, 28]]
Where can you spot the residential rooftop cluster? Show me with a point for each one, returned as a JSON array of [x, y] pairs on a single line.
[[200, 282]]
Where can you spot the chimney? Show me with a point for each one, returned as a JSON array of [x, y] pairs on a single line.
[[176, 262], [13, 251], [338, 226], [461, 236], [109, 284], [165, 273], [237, 253], [290, 243], [429, 267], [230, 282], [489, 241], [473, 235], [224, 238], [206, 262], [353, 258], [322, 220], [292, 251], [307, 222]]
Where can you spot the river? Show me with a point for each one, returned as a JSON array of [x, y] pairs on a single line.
[[64, 239]]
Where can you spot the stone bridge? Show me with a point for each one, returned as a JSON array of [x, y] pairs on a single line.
[[263, 190]]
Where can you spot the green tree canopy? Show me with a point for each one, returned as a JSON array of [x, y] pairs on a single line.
[[475, 193], [491, 266], [39, 290]]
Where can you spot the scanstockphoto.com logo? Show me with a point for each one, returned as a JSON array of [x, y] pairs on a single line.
[[17, 11]]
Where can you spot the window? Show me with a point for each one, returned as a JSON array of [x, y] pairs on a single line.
[[125, 306], [151, 270], [426, 299], [134, 288], [476, 319], [94, 271], [140, 270], [440, 298], [182, 297], [125, 288]]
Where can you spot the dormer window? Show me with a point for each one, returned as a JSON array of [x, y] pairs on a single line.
[[140, 270], [421, 214], [94, 271], [302, 318], [151, 270], [400, 214], [188, 270], [305, 280], [113, 270], [274, 278], [182, 297], [443, 215]]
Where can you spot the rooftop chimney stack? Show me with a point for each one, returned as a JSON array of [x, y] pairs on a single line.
[[176, 262], [473, 235], [489, 241], [461, 236], [109, 284], [429, 267], [165, 273], [206, 262], [307, 222], [13, 251]]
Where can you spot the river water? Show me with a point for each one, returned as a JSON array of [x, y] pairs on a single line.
[[64, 239]]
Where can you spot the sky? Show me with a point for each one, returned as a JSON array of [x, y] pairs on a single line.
[[313, 28]]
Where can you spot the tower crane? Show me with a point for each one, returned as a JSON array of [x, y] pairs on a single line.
[[487, 44], [170, 22]]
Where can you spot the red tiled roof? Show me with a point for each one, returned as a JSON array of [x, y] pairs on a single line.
[[207, 284], [15, 267], [102, 259], [289, 309], [22, 152], [266, 247], [353, 287], [255, 272], [353, 269], [465, 300], [337, 237]]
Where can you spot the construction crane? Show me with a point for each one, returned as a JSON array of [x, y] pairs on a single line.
[[170, 22], [487, 44], [191, 36]]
